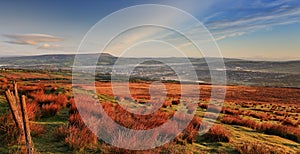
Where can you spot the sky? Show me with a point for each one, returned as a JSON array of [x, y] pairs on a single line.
[[256, 29]]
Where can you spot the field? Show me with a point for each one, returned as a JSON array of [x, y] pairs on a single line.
[[252, 119]]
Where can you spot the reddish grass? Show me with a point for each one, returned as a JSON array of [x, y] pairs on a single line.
[[203, 106], [165, 149], [246, 105], [76, 135], [175, 102], [33, 110], [139, 122], [288, 132], [61, 132], [75, 120], [134, 121], [36, 130], [228, 110], [42, 98], [254, 148], [280, 113], [234, 120], [190, 133], [277, 118], [258, 115], [289, 122], [217, 133], [80, 139], [73, 108], [49, 110], [4, 80], [166, 104], [8, 127], [61, 100]]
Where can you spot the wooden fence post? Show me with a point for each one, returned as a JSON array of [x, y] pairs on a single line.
[[15, 86], [26, 125], [21, 119], [14, 109]]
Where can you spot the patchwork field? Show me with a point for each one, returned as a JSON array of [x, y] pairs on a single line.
[[251, 119]]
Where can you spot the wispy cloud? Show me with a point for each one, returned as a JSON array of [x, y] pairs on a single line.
[[40, 40], [229, 22], [50, 46], [259, 16]]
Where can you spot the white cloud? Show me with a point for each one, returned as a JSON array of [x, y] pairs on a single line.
[[280, 16], [41, 40], [49, 46]]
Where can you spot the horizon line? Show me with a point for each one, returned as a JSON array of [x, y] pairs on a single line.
[[237, 58]]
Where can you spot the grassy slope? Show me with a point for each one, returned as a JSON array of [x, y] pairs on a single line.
[[46, 143], [239, 135], [3, 108]]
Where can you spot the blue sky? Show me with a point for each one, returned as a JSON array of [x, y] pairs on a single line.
[[256, 29]]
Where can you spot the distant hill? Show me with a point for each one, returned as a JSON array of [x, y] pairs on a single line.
[[245, 72], [58, 60], [267, 66]]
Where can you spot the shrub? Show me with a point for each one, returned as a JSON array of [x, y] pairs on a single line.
[[61, 100], [246, 105], [73, 108], [33, 110], [217, 133], [36, 129], [233, 120], [4, 80], [166, 104], [287, 132], [42, 98], [259, 115], [191, 131], [203, 106], [8, 131], [80, 139], [75, 119], [289, 122], [230, 111], [280, 113], [253, 148], [49, 110], [61, 132], [175, 102]]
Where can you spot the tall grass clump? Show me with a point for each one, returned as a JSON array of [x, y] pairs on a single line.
[[288, 132], [254, 148], [217, 133], [235, 120], [80, 139]]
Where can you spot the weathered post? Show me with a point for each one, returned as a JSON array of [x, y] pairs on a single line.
[[14, 101], [14, 109], [26, 125], [15, 86]]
